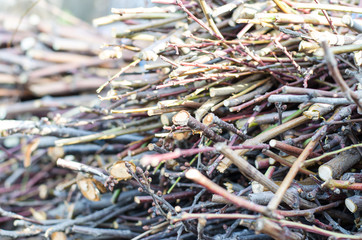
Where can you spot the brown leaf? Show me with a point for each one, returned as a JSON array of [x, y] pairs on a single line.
[[58, 236], [29, 149], [119, 170], [38, 215]]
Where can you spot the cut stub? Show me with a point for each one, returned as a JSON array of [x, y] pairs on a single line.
[[181, 118], [208, 119], [339, 164], [166, 118], [120, 171], [354, 204]]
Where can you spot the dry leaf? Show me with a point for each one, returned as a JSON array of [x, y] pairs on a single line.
[[29, 149], [38, 215], [119, 170], [58, 236], [43, 191], [90, 188]]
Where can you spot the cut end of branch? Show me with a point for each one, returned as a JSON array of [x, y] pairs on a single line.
[[151, 146], [60, 162], [181, 118], [166, 119], [226, 103], [272, 143], [193, 174], [68, 164], [325, 172], [208, 119], [212, 92], [56, 152], [350, 205], [89, 189], [137, 200], [354, 204]]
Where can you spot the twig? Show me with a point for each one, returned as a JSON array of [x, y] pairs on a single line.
[[107, 134], [184, 118], [335, 184], [315, 229], [335, 167], [332, 153], [212, 118], [189, 216], [134, 63], [334, 72], [285, 162], [252, 173], [76, 166], [340, 113], [97, 232], [266, 135], [197, 177], [327, 17]]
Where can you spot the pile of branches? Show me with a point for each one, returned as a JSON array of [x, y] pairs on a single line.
[[230, 120], [40, 56]]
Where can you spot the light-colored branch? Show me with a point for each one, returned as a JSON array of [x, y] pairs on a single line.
[[80, 167]]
